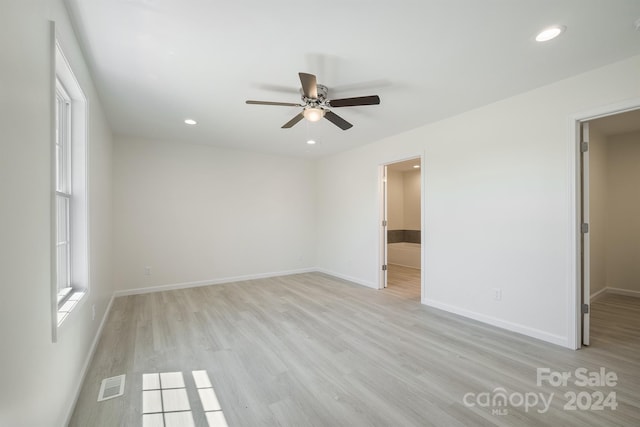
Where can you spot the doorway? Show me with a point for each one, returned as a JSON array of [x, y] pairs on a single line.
[[609, 212], [401, 235]]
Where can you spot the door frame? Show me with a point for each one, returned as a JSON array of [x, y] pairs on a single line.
[[585, 236], [576, 213], [382, 227]]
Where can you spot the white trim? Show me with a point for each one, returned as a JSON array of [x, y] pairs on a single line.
[[406, 266], [423, 226], [199, 283], [608, 110], [53, 274], [574, 321], [80, 259], [510, 326], [574, 283], [360, 282], [585, 218], [626, 292], [87, 362], [382, 235], [598, 294], [615, 291]]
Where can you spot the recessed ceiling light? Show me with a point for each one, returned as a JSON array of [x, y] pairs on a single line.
[[190, 121], [550, 33], [311, 142], [416, 166]]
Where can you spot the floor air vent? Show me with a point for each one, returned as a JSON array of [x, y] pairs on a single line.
[[111, 387]]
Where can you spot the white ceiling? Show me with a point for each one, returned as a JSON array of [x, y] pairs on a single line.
[[157, 62]]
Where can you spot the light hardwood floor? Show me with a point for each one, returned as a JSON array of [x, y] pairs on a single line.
[[403, 282], [313, 350]]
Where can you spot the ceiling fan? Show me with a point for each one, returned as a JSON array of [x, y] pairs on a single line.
[[316, 104]]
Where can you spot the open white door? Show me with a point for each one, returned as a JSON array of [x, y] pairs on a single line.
[[585, 306], [383, 235]]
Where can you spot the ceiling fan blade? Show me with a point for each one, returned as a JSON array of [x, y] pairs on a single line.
[[353, 102], [284, 104], [337, 120], [309, 85], [293, 121]]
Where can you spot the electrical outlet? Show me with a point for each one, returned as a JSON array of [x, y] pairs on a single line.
[[147, 271], [497, 294]]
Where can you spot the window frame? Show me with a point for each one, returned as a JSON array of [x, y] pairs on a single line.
[[72, 186], [63, 189]]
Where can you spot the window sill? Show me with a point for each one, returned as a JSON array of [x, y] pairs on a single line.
[[71, 303], [63, 294]]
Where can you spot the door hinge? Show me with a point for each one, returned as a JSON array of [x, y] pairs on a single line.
[[585, 308], [384, 222], [584, 147], [384, 267], [585, 227]]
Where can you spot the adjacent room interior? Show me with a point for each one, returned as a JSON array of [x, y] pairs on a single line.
[[191, 213], [614, 223], [403, 208]]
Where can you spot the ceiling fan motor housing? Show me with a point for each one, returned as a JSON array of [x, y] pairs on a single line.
[[319, 102]]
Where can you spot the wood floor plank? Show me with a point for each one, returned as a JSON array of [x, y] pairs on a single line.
[[315, 350]]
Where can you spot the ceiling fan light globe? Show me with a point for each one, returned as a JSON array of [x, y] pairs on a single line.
[[313, 114]]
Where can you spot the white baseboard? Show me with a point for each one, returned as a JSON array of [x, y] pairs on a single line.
[[348, 278], [404, 265], [87, 362], [618, 291], [626, 292], [598, 294], [510, 326], [220, 281]]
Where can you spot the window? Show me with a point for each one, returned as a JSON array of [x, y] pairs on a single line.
[[70, 226], [63, 192]]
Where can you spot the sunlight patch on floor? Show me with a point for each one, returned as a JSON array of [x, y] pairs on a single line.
[[165, 400]]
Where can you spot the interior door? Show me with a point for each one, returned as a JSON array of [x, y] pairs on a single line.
[[584, 232], [383, 231]]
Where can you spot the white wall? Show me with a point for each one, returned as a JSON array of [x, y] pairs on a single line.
[[498, 204], [623, 232], [403, 200], [614, 163], [598, 208], [39, 379], [195, 213], [411, 189], [395, 200]]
